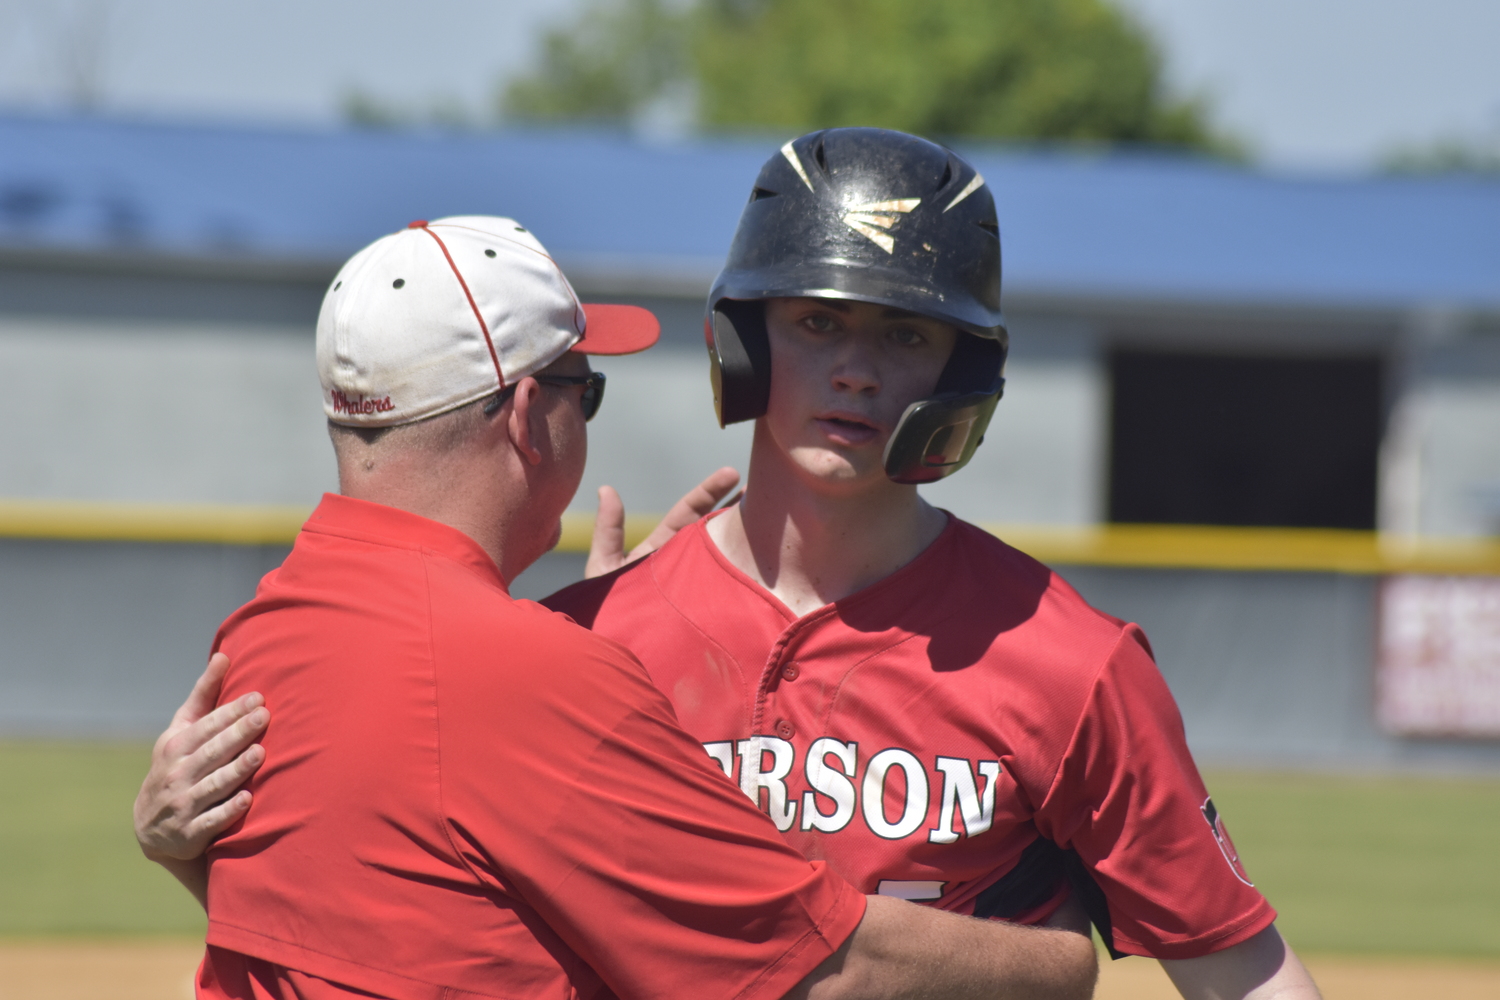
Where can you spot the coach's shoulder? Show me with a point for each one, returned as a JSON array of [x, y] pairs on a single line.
[[482, 639]]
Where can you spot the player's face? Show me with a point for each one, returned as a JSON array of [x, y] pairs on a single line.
[[842, 373]]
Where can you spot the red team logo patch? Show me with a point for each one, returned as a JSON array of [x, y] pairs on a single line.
[[1226, 846]]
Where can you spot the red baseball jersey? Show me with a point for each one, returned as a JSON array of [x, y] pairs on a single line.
[[923, 733], [469, 796]]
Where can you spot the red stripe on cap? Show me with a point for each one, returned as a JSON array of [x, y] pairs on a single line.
[[483, 326]]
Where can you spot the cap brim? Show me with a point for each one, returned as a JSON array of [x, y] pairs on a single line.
[[617, 329]]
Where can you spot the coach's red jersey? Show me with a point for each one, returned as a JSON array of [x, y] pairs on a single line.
[[466, 796], [921, 733]]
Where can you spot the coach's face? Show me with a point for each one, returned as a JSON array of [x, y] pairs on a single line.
[[560, 439], [842, 373]]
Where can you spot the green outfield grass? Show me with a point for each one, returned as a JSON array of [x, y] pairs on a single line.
[[1396, 865], [68, 860], [1390, 865]]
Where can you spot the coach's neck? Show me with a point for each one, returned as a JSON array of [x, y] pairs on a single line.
[[502, 479]]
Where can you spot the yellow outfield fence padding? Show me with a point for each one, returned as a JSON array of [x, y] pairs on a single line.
[[1208, 547], [578, 530], [1144, 545], [225, 524]]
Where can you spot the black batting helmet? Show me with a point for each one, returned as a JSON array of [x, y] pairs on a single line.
[[874, 216]]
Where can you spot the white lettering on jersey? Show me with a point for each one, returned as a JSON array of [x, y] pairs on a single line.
[[914, 814], [753, 776], [831, 782], [959, 790], [722, 752], [832, 771]]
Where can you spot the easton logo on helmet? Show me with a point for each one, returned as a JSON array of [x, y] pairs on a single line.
[[872, 218]]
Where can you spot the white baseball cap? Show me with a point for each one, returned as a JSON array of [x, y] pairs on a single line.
[[444, 313]]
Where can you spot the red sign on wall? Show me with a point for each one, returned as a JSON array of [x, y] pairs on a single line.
[[1439, 672]]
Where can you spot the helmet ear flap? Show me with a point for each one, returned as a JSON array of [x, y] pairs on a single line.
[[739, 357]]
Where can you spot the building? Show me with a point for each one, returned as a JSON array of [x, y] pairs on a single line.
[[1306, 369]]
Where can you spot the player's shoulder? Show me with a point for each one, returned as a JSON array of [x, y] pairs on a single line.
[[1001, 575], [635, 589], [581, 601], [989, 555], [1046, 650]]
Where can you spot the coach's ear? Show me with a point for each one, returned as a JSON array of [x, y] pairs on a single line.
[[525, 423]]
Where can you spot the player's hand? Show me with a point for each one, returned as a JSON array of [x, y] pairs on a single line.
[[188, 796], [607, 552]]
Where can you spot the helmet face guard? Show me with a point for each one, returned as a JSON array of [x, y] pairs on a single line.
[[873, 216]]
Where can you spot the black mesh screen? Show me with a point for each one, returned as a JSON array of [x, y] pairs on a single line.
[[1214, 439]]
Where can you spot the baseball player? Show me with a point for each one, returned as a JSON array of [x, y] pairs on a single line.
[[939, 716]]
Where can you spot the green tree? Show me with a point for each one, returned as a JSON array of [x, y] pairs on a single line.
[[607, 66], [1445, 156], [1070, 70], [1024, 69]]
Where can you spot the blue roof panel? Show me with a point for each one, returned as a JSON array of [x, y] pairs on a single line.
[[1128, 225]]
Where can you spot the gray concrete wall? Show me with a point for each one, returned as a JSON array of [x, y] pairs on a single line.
[[1270, 669], [104, 639], [168, 390], [154, 385], [158, 411], [209, 411]]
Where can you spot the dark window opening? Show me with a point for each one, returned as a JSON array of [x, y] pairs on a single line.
[[1265, 441]]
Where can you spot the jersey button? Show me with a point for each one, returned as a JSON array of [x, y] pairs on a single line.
[[790, 671], [785, 729]]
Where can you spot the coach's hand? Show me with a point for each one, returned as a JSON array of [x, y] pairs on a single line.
[[189, 796], [607, 552]]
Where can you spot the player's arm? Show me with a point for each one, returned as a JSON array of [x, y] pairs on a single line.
[[189, 796], [1262, 968], [1113, 776], [607, 550], [903, 950]]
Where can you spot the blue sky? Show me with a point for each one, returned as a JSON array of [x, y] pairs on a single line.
[[1309, 84]]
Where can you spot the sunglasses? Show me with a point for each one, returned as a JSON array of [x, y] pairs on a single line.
[[593, 393]]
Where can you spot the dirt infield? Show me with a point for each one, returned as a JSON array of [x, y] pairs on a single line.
[[99, 970], [163, 970]]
